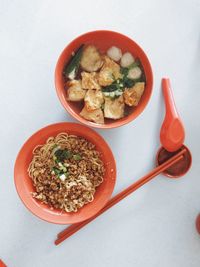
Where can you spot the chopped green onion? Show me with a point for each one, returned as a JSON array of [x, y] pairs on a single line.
[[77, 157]]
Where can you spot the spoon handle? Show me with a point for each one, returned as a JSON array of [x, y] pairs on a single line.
[[169, 98], [159, 169]]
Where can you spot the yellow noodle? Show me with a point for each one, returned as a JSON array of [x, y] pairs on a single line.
[[84, 175]]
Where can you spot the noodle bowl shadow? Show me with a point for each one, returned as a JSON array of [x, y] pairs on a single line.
[[24, 184]]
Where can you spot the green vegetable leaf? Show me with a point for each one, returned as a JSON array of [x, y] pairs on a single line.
[[112, 87], [71, 68], [136, 63], [124, 71], [62, 154], [77, 157], [128, 82]]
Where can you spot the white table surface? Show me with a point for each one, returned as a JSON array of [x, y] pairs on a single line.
[[153, 227]]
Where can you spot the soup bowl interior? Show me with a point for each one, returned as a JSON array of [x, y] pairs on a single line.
[[24, 183], [103, 40]]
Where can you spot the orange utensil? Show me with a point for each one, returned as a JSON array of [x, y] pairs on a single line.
[[75, 227], [180, 168], [2, 264], [198, 223], [172, 133]]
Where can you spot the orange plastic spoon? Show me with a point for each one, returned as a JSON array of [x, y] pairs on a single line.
[[198, 223], [172, 132]]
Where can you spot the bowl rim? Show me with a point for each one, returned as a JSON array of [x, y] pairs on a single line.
[[114, 124], [23, 196]]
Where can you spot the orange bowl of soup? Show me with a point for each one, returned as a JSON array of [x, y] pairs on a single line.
[[103, 40]]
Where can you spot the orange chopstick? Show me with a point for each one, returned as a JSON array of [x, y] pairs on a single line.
[[75, 227]]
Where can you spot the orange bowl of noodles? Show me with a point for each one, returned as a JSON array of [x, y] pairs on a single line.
[[65, 173]]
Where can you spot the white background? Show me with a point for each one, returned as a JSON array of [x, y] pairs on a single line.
[[153, 227]]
